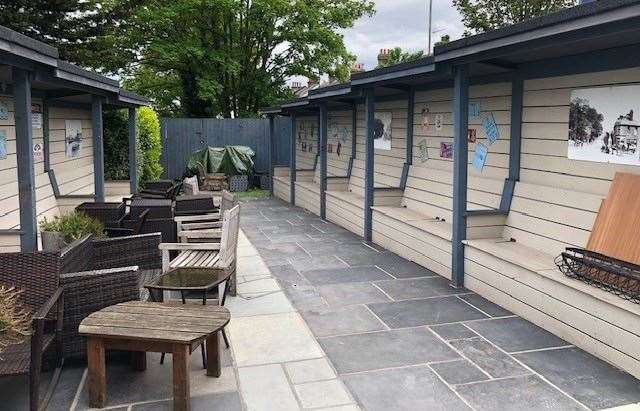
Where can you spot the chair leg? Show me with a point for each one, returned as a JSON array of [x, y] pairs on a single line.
[[161, 358], [204, 355], [224, 336]]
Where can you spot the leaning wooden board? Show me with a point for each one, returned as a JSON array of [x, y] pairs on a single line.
[[616, 231]]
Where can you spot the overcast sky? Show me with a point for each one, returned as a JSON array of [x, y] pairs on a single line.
[[401, 23]]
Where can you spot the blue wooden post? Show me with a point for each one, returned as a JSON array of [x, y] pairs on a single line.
[[323, 160], [292, 160], [515, 142], [369, 116], [409, 156], [133, 160], [272, 137], [98, 149], [24, 154], [354, 126], [460, 165]]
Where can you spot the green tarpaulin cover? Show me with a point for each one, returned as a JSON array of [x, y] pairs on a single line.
[[230, 160]]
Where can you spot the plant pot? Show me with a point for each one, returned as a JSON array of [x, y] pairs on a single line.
[[52, 240]]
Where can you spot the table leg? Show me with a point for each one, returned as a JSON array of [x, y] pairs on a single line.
[[181, 394], [139, 360], [97, 372], [214, 366]]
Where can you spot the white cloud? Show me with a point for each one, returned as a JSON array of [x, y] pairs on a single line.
[[401, 23]]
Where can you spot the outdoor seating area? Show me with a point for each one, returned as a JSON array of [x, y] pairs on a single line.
[[457, 231]]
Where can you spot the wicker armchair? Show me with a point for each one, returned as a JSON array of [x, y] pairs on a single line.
[[37, 275]]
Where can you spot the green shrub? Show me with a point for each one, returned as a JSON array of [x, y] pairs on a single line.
[[116, 145], [73, 226]]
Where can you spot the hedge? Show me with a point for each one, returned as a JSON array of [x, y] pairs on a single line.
[[116, 145]]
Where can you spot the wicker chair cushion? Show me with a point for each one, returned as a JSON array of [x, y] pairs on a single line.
[[15, 360]]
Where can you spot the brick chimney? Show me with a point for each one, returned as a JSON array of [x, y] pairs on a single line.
[[296, 86], [383, 57], [357, 68]]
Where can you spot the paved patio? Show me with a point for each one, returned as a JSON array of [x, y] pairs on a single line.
[[326, 322]]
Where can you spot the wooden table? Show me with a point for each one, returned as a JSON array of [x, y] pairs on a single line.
[[141, 326]]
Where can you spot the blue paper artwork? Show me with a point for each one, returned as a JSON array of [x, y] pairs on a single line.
[[490, 128], [480, 156]]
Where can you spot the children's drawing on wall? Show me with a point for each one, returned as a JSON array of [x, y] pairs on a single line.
[[36, 115], [382, 130], [438, 122], [490, 128], [73, 137], [604, 126], [446, 150], [424, 150], [339, 148], [480, 156], [472, 135], [3, 144], [424, 119]]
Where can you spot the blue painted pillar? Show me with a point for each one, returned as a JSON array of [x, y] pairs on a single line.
[[24, 158], [98, 149], [409, 153], [369, 116], [515, 142], [133, 159], [460, 165], [323, 159], [292, 160], [272, 137], [354, 127]]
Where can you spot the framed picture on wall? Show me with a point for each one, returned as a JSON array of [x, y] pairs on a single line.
[[604, 125], [382, 130], [73, 138]]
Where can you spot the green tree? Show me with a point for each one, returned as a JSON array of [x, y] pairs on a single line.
[[236, 54], [479, 16], [585, 123], [397, 56], [444, 39]]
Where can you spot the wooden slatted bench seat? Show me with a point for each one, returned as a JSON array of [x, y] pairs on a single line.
[[420, 227], [522, 276]]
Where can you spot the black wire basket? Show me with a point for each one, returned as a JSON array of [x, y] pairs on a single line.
[[607, 273]]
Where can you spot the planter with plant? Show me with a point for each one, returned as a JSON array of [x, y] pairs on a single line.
[[15, 321], [63, 230]]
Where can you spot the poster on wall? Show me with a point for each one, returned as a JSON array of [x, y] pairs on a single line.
[[472, 135], [382, 130], [424, 119], [4, 111], [490, 128], [73, 137], [38, 152], [480, 156], [3, 144], [474, 110], [438, 122], [446, 150], [604, 126], [424, 150], [36, 115]]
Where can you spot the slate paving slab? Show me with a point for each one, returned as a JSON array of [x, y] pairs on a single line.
[[402, 389], [384, 349], [527, 393], [418, 288], [285, 250], [489, 358], [586, 378], [454, 331], [345, 275], [304, 296], [352, 293], [429, 311], [485, 305], [318, 263], [342, 320], [225, 401], [459, 372], [516, 334]]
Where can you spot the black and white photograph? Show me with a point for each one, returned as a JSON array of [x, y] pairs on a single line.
[[604, 126], [382, 131]]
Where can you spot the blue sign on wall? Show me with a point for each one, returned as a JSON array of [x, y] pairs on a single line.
[[490, 128], [474, 110], [480, 156]]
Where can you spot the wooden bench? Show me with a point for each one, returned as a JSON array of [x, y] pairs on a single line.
[[521, 275], [281, 183], [420, 227]]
